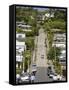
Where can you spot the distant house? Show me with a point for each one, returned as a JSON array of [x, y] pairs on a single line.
[[61, 37], [59, 40], [62, 61], [63, 51], [59, 45], [48, 15], [25, 27], [19, 60], [20, 23], [20, 36], [39, 17], [20, 46]]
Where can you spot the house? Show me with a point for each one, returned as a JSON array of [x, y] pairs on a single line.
[[48, 15], [20, 36], [59, 40], [63, 51], [20, 23], [59, 45], [25, 27], [61, 37], [39, 17], [20, 46], [62, 61], [19, 60]]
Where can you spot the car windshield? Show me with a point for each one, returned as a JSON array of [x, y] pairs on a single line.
[[25, 74], [34, 65]]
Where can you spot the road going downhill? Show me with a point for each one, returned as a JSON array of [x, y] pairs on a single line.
[[41, 59]]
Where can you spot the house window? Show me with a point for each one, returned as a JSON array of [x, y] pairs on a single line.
[[20, 36]]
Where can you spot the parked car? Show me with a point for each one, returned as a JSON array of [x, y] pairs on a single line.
[[32, 78], [49, 70], [25, 77], [42, 56], [59, 77], [34, 68], [52, 75], [55, 76], [18, 79]]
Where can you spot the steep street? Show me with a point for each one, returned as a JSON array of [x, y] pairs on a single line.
[[41, 59]]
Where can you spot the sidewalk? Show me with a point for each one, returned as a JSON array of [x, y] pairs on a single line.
[[33, 57]]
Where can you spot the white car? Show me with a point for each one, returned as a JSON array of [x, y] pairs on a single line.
[[55, 78], [59, 77], [34, 68], [51, 75], [25, 77]]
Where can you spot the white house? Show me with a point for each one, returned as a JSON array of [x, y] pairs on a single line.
[[62, 57], [20, 36], [60, 45], [19, 58], [48, 15], [20, 23], [59, 40], [62, 61], [25, 27], [60, 37], [20, 46], [63, 51]]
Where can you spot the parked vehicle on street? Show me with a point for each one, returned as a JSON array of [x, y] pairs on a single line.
[[51, 74], [34, 68], [32, 78], [49, 70], [25, 77], [42, 56], [18, 79], [55, 76]]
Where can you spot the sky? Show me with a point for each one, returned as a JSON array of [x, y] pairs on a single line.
[[41, 9]]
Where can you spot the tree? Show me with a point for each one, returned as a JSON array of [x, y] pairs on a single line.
[[60, 14], [19, 30], [30, 43], [52, 52], [27, 55]]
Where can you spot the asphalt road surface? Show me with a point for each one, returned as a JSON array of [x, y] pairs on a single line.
[[41, 59]]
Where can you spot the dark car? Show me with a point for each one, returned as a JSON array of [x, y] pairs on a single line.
[[25, 78], [42, 56], [34, 69], [49, 70]]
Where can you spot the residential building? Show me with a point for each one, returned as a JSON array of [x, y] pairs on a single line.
[[25, 27], [19, 60], [20, 36], [59, 41]]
